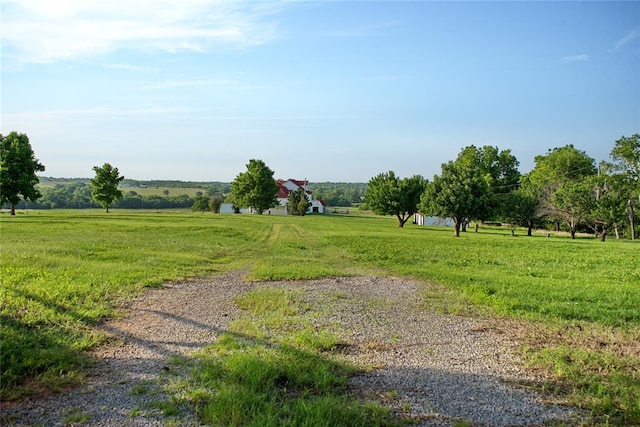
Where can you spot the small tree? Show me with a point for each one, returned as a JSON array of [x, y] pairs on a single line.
[[575, 202], [105, 185], [200, 204], [298, 202], [610, 201], [521, 208], [387, 194], [215, 203], [18, 167], [255, 188]]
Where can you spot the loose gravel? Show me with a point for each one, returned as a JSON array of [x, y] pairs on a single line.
[[439, 369]]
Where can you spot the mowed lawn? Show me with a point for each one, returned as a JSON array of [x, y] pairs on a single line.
[[575, 304]]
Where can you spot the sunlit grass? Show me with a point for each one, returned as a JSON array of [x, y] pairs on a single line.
[[64, 271], [278, 376]]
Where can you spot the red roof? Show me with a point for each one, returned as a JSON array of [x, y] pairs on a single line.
[[283, 192]]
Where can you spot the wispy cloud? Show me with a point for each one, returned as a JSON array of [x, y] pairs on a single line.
[[574, 58], [628, 38], [49, 31]]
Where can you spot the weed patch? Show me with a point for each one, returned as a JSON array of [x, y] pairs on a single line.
[[276, 377]]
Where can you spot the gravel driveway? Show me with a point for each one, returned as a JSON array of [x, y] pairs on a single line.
[[438, 368]]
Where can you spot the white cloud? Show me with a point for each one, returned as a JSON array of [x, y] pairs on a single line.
[[628, 38], [49, 31], [574, 58]]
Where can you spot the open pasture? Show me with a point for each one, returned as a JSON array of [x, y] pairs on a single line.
[[63, 271], [152, 190]]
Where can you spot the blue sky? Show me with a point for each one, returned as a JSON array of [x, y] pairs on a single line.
[[323, 90]]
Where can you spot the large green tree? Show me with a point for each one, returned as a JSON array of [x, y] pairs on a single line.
[[105, 185], [18, 167], [500, 168], [387, 194], [560, 167], [461, 192], [255, 188], [626, 161]]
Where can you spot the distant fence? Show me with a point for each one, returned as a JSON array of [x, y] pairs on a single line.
[[340, 211]]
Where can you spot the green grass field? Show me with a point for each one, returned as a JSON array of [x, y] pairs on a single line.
[[148, 190], [160, 191], [576, 303]]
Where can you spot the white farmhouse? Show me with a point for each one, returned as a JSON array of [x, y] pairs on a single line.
[[285, 187]]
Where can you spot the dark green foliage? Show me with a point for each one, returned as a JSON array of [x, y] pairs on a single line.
[[136, 201], [500, 166], [75, 195], [461, 192], [610, 204], [200, 204], [520, 207], [338, 193], [387, 194], [626, 161], [626, 157], [215, 203], [255, 188], [500, 169], [298, 203], [563, 167], [105, 185], [18, 167]]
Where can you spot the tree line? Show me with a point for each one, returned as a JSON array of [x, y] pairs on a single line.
[[76, 194], [565, 189]]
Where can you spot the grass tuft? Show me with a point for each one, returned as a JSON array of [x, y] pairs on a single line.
[[280, 376]]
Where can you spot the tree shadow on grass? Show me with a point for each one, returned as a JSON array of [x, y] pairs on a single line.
[[36, 359]]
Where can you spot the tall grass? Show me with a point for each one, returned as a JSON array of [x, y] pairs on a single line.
[[64, 271]]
